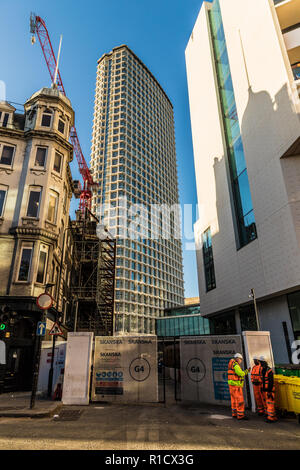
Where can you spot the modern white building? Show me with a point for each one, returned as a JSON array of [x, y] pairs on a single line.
[[243, 78], [133, 160]]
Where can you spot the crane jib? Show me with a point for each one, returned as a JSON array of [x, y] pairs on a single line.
[[38, 27]]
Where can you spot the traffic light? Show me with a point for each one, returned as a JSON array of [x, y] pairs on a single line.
[[8, 320], [5, 322]]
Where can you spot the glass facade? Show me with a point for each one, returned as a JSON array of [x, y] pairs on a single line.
[[248, 318], [184, 321], [244, 213], [208, 260], [223, 324], [133, 160]]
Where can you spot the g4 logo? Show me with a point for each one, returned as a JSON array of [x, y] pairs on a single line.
[[195, 369], [139, 369]]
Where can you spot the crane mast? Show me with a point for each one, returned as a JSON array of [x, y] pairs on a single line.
[[38, 27]]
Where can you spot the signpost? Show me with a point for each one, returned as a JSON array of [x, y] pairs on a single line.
[[41, 328], [44, 302]]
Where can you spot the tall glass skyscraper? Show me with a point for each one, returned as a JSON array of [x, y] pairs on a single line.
[[133, 160]]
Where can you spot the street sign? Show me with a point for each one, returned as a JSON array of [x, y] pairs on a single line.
[[55, 330], [44, 301], [41, 328]]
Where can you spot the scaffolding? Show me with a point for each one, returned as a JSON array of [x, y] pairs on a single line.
[[93, 279]]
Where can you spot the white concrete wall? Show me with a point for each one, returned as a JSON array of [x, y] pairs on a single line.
[[272, 313]]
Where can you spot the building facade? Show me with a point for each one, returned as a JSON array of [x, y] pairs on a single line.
[[35, 192], [133, 160], [243, 78]]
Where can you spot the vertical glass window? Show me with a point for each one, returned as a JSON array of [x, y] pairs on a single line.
[[46, 119], [244, 213], [52, 207], [61, 126], [34, 202], [25, 264], [7, 155], [40, 277], [3, 192], [5, 120], [57, 162], [208, 260]]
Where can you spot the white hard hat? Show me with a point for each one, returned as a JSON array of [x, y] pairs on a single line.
[[238, 355], [262, 358], [255, 357]]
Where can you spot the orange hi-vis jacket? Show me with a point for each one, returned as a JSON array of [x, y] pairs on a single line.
[[256, 375], [268, 381]]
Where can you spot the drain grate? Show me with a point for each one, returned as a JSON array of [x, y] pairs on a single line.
[[68, 415]]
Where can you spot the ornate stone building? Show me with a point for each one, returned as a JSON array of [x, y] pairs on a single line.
[[35, 246]]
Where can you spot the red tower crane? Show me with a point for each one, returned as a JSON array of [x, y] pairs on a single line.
[[38, 27]]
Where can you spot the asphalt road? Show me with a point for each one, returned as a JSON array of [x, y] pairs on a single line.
[[157, 427]]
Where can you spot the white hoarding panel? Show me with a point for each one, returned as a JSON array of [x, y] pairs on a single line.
[[125, 369], [204, 365], [77, 369], [257, 343], [45, 363]]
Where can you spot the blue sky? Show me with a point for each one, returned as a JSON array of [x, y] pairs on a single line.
[[156, 30]]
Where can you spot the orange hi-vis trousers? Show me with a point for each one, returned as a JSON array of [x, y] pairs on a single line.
[[237, 401], [270, 402], [259, 399]]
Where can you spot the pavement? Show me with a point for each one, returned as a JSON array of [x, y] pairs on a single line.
[[17, 405]]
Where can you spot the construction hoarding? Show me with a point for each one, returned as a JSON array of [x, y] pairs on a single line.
[[204, 365], [257, 343], [125, 369], [77, 369]]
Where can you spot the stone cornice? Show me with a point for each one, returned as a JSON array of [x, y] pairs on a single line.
[[34, 232], [52, 136], [32, 133], [15, 133]]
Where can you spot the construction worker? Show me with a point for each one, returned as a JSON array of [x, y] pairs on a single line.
[[256, 382], [236, 382], [268, 390]]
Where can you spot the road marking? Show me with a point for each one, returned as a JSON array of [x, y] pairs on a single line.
[[249, 429], [220, 417]]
